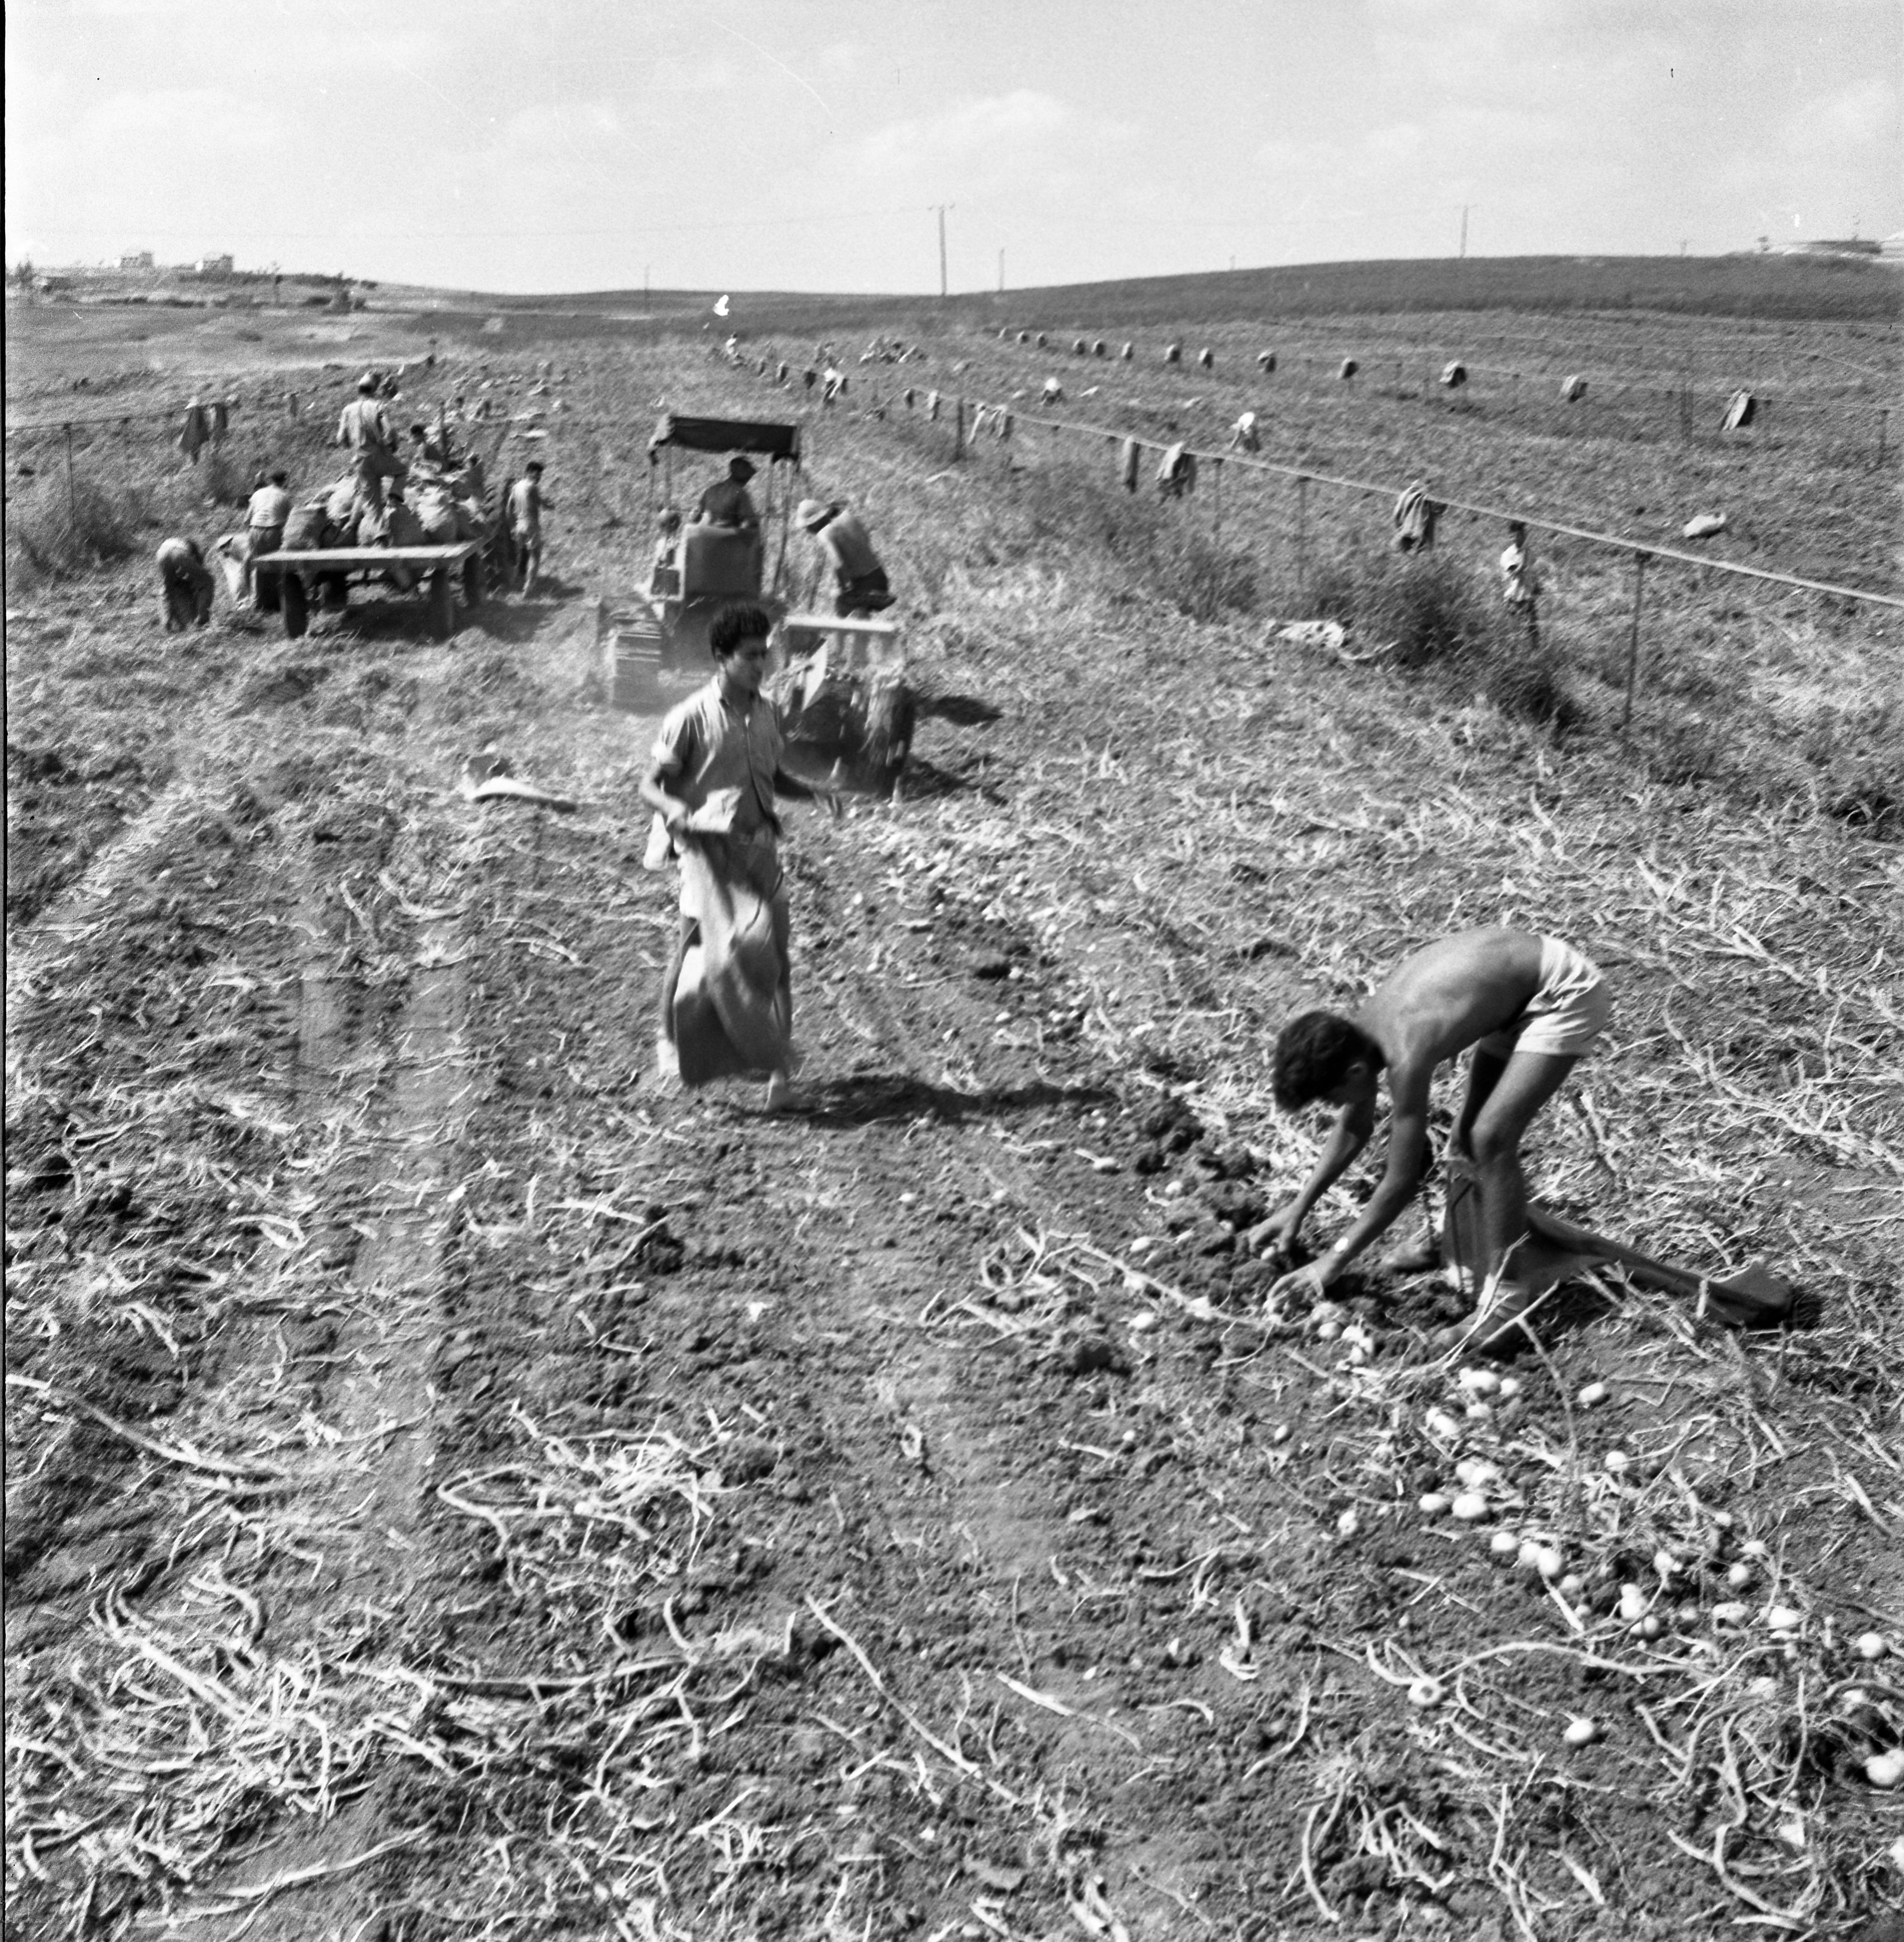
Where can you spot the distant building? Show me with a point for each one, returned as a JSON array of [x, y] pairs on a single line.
[[214, 266], [1852, 246], [141, 259]]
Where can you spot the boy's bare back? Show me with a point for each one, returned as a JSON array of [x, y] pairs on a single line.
[[1455, 991]]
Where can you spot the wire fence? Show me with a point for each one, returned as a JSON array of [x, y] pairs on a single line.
[[968, 426]]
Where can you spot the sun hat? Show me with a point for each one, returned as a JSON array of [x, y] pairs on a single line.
[[813, 514], [740, 468]]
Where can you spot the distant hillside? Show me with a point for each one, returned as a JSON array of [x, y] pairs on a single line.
[[1749, 285], [1794, 288]]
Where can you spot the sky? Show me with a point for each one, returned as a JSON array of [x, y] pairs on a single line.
[[555, 146]]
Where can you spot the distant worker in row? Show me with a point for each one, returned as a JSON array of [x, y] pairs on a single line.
[[860, 584]]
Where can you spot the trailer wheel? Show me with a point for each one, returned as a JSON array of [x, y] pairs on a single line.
[[267, 590], [442, 605], [473, 580], [296, 605]]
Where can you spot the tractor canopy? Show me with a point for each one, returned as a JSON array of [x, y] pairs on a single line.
[[776, 441]]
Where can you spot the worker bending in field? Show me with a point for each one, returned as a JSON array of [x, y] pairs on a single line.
[[363, 426], [727, 998], [1528, 1006], [863, 588], [727, 502], [185, 585], [525, 509], [264, 521]]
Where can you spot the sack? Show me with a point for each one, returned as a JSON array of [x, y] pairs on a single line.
[[436, 512], [303, 531], [405, 527]]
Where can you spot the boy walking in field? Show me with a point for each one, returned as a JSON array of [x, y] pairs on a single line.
[[1528, 1006], [713, 777]]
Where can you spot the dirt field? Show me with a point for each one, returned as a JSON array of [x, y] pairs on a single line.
[[460, 1485]]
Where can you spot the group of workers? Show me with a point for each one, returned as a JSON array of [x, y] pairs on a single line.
[[381, 473]]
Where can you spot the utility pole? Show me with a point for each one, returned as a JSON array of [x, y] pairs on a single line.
[[644, 286], [1464, 232], [941, 207], [1001, 273]]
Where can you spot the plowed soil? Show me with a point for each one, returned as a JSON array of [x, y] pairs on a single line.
[[460, 1485]]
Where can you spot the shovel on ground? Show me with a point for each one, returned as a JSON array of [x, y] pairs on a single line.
[[1554, 1250]]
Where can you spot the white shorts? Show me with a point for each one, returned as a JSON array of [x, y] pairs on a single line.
[[1565, 1014]]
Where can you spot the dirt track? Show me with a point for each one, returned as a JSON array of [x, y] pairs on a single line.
[[541, 1503]]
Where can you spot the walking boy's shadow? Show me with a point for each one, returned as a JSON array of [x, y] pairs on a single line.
[[867, 1098]]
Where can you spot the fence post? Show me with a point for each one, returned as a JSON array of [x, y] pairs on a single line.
[[1216, 493], [1303, 540], [958, 430], [1884, 433], [1632, 641], [72, 500]]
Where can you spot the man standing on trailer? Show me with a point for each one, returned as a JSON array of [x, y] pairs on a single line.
[[363, 426]]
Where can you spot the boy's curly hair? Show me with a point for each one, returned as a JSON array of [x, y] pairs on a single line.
[[740, 621], [1314, 1053]]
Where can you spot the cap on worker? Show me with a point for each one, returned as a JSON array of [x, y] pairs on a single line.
[[368, 382], [813, 514], [533, 465], [740, 468]]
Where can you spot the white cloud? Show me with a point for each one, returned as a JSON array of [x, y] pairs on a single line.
[[537, 130], [992, 144], [1022, 119], [1861, 116], [714, 75], [161, 117]]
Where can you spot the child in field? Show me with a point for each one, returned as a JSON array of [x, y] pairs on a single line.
[[1528, 1006], [713, 778]]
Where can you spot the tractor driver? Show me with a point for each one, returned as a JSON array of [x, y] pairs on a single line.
[[726, 503]]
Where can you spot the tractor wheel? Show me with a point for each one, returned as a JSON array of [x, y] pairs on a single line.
[[296, 607], [442, 605]]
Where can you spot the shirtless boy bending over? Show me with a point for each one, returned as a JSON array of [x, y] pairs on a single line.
[[1528, 1006]]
